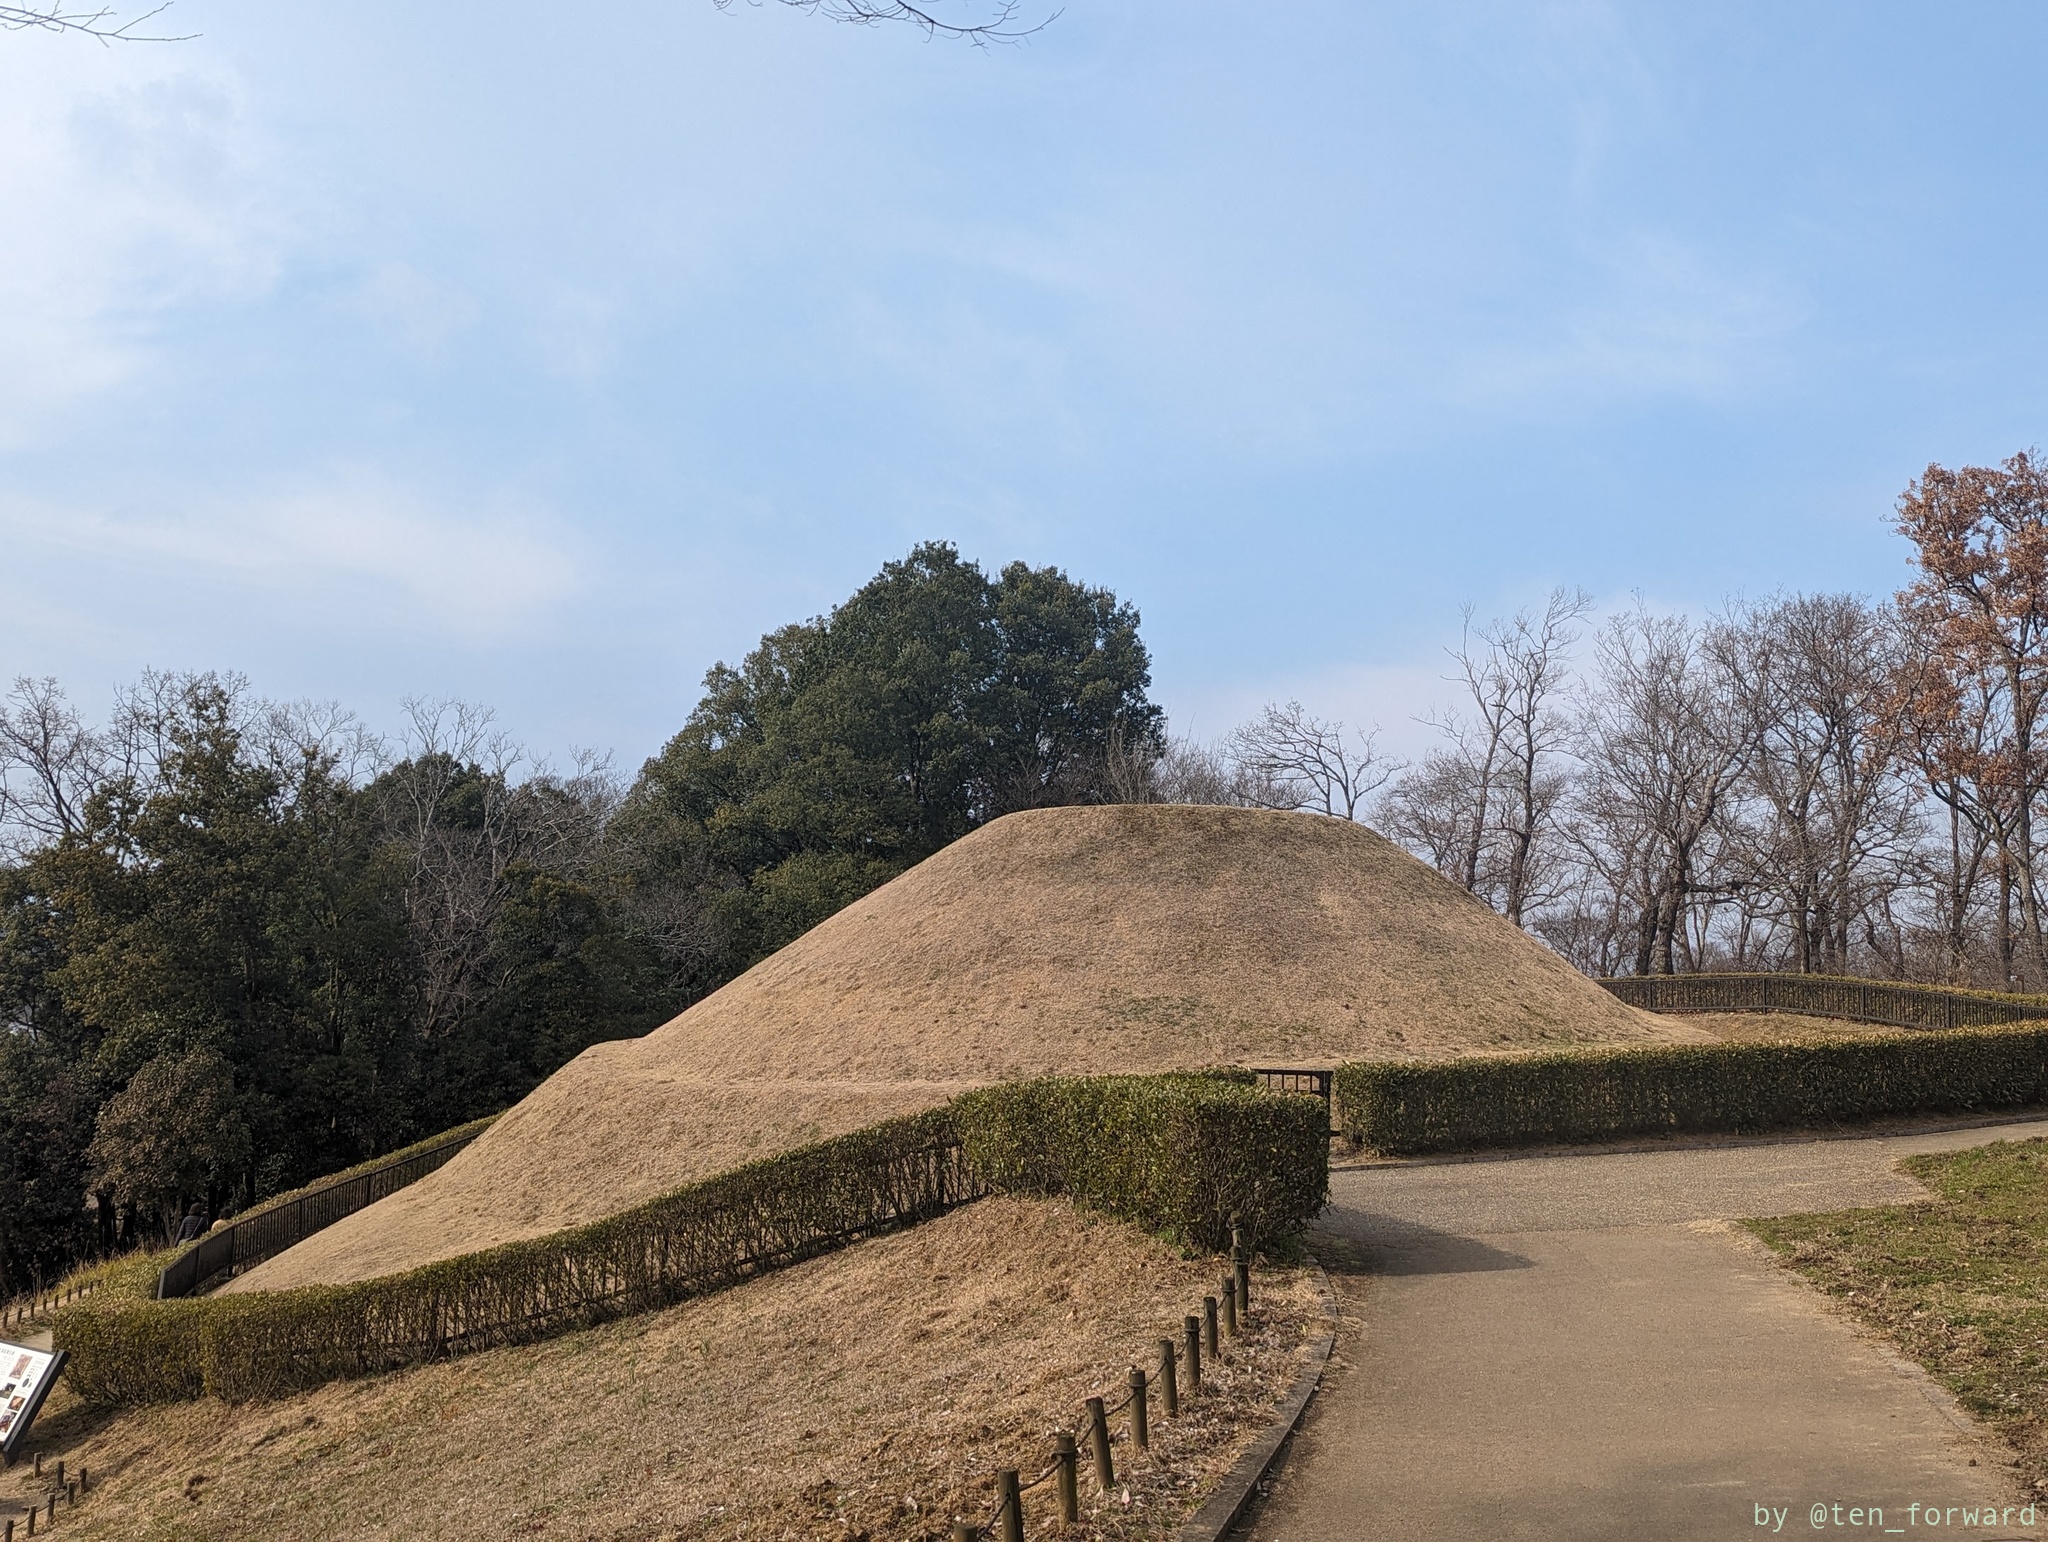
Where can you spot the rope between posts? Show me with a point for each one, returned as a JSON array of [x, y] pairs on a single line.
[[1173, 1355], [1025, 1488]]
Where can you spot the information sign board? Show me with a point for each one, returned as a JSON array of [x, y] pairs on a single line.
[[26, 1377]]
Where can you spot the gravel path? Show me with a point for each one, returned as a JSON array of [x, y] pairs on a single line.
[[1581, 1347]]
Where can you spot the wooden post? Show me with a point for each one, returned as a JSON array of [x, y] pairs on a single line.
[[1230, 1305], [1209, 1326], [1241, 1268], [1098, 1442], [83, 1483], [1010, 1507], [1169, 1384], [60, 1472], [966, 1531], [31, 1520], [1068, 1478], [1191, 1346], [1141, 1415], [39, 1464], [71, 1492]]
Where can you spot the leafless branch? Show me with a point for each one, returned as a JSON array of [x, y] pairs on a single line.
[[104, 25], [1002, 27]]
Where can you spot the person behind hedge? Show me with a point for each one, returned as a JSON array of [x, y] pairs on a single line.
[[194, 1224]]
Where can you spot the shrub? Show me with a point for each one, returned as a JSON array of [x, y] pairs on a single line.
[[1190, 1156], [1408, 1107]]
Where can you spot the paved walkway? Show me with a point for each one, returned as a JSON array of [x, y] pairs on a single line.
[[1580, 1348]]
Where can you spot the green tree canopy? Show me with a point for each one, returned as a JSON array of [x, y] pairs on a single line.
[[845, 749]]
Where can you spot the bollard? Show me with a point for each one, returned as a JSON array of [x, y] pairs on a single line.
[[1098, 1442], [966, 1531], [1241, 1267], [1169, 1385], [71, 1492], [1068, 1479], [39, 1464], [1191, 1346], [1230, 1305], [53, 1507], [60, 1472], [1209, 1326], [83, 1485], [31, 1520], [9, 1536], [1141, 1416], [1010, 1507]]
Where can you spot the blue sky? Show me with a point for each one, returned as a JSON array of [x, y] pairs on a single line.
[[505, 354]]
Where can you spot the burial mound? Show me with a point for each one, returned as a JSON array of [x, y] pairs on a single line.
[[1059, 941]]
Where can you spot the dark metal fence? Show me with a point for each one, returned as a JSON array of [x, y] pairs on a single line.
[[1863, 1001], [1275, 1080], [1288, 1079], [242, 1244]]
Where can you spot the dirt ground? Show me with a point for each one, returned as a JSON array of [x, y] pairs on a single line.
[[871, 1394], [1070, 940]]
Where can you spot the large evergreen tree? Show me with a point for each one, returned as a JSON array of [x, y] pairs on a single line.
[[843, 750]]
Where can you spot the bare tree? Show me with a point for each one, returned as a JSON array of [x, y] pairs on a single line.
[[1826, 824], [50, 766], [1484, 808], [1285, 758], [1663, 746]]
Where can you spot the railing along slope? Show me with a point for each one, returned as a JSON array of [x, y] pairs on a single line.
[[269, 1231], [1862, 1001]]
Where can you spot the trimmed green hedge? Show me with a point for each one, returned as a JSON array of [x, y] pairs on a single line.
[[1185, 1154], [1189, 1156], [1405, 1107], [699, 1238]]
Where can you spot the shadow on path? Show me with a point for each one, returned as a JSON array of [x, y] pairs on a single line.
[[1356, 1242]]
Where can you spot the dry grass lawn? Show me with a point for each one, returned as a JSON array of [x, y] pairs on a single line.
[[869, 1395], [1059, 941], [1959, 1283], [1780, 1027]]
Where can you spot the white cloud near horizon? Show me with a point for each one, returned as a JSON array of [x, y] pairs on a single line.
[[358, 551]]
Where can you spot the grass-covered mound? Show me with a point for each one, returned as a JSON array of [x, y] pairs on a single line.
[[1056, 942]]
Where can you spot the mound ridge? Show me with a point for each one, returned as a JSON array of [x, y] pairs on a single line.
[[1058, 941]]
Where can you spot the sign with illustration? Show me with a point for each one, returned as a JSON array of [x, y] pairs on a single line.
[[26, 1377]]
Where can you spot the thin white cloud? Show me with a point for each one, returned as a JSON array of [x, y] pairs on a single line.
[[1663, 322], [360, 552], [132, 183], [421, 312]]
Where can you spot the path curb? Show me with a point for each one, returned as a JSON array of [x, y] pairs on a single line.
[[1233, 1496]]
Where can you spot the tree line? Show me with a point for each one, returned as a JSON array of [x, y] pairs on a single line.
[[244, 944], [1820, 783]]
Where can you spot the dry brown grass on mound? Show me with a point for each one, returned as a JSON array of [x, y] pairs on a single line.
[[1060, 941], [1779, 1027], [871, 1393]]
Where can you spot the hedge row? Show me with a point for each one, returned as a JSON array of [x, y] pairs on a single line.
[[1413, 1107], [1185, 1155], [1190, 1156]]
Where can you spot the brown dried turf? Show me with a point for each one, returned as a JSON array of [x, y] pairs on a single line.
[[1780, 1027], [869, 1394], [1133, 938]]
